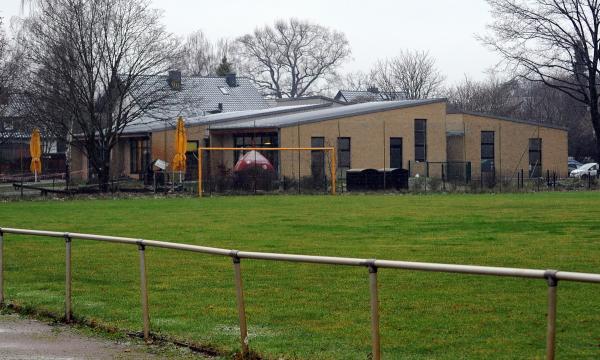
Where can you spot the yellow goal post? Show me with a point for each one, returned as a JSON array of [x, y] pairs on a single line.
[[330, 150]]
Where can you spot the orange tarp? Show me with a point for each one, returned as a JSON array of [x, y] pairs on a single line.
[[35, 149], [180, 146]]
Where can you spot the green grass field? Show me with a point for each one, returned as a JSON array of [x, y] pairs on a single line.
[[312, 311]]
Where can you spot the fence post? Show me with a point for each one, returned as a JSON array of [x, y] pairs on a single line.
[[199, 172], [550, 276], [522, 179], [333, 172], [589, 178], [1, 267], [144, 291], [68, 277], [443, 178], [240, 303], [375, 342]]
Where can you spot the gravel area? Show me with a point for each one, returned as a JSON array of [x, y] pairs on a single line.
[[31, 339]]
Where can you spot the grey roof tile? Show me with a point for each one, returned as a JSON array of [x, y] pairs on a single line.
[[199, 95]]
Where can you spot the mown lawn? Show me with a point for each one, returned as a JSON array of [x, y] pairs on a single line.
[[313, 311]]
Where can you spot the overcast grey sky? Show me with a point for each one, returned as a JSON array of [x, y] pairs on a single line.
[[375, 29]]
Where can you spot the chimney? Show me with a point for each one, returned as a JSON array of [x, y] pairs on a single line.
[[175, 79], [220, 107], [373, 89], [231, 79]]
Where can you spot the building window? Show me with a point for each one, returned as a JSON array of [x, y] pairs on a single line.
[[256, 140], [224, 90], [535, 158], [420, 140], [396, 153], [139, 155], [487, 151], [317, 157], [343, 152], [192, 146]]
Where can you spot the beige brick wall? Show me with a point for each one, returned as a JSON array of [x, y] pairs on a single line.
[[369, 146], [511, 144]]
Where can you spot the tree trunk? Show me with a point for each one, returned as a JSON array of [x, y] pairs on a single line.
[[595, 118], [103, 179]]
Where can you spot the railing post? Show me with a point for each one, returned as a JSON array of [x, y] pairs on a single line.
[[239, 292], [550, 276], [375, 342], [144, 291], [68, 278], [1, 267]]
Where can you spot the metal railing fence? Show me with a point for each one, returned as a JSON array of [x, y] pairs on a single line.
[[552, 277]]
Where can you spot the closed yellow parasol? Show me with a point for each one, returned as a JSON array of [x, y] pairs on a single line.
[[35, 148], [180, 146]]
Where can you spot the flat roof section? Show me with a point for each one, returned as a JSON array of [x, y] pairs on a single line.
[[505, 118], [150, 124], [325, 114]]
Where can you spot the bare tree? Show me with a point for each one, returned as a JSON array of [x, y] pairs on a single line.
[[91, 65], [491, 96], [556, 43], [355, 81], [524, 99], [4, 71], [199, 55], [11, 69], [412, 73], [292, 58]]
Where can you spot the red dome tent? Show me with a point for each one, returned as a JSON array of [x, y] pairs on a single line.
[[252, 160]]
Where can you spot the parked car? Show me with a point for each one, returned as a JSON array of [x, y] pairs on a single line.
[[574, 164], [590, 169]]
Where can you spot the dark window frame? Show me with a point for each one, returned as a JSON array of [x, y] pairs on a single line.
[[340, 151], [396, 162], [317, 157], [535, 169], [257, 140], [420, 147], [485, 144]]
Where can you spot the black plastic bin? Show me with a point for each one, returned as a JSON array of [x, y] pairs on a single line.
[[376, 179]]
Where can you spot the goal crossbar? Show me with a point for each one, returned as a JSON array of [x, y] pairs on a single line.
[[330, 150]]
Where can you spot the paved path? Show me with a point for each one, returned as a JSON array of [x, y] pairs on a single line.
[[30, 339]]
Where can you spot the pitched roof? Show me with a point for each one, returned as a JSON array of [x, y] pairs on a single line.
[[356, 96], [13, 105], [201, 94], [323, 114]]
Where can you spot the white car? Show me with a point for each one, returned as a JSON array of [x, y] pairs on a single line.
[[590, 169]]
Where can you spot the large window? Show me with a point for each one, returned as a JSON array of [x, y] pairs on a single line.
[[420, 140], [396, 153], [343, 152], [139, 155], [487, 151], [258, 140], [535, 158], [317, 157]]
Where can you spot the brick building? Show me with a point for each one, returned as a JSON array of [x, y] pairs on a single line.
[[418, 135]]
